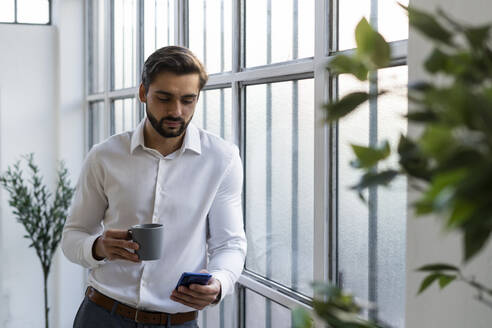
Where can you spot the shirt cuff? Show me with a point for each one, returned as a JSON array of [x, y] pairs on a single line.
[[90, 260], [225, 286]]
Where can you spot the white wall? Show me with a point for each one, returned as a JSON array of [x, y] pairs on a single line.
[[27, 124], [426, 243], [41, 111], [69, 21]]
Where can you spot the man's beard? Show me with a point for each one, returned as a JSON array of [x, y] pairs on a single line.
[[159, 125]]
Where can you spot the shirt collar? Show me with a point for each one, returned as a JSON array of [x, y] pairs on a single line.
[[191, 139]]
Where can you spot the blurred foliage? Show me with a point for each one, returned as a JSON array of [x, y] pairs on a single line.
[[450, 161], [42, 218], [452, 157], [336, 308]]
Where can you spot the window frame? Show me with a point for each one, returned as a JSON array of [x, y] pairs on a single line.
[[325, 260], [50, 3]]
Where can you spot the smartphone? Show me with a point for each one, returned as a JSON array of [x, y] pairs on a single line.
[[188, 278]]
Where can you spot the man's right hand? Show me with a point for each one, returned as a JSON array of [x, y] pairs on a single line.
[[112, 244]]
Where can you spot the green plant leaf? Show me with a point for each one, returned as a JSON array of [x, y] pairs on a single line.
[[442, 187], [462, 211], [301, 318], [428, 281], [375, 179], [420, 86], [438, 267], [437, 141], [428, 26], [345, 105], [342, 64], [367, 157], [412, 159], [478, 36], [371, 45], [445, 280], [426, 116], [475, 238], [437, 61]]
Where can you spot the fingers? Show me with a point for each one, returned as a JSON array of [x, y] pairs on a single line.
[[120, 253], [117, 234], [193, 305], [212, 288], [121, 243], [197, 294], [203, 289], [192, 301], [114, 245]]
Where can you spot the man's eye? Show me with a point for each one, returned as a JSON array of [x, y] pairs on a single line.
[[185, 101], [163, 99]]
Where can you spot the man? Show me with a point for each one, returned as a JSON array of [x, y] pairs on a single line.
[[165, 171]]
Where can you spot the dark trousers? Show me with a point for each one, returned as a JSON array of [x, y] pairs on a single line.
[[91, 315]]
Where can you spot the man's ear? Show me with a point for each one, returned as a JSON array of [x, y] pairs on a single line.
[[141, 93]]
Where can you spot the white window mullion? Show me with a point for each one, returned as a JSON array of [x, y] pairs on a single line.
[[181, 22], [235, 88], [87, 53], [322, 153], [108, 53]]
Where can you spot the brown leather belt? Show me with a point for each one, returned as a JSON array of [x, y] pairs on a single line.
[[139, 316]]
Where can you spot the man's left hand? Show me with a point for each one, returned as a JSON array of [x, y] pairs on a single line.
[[198, 296]]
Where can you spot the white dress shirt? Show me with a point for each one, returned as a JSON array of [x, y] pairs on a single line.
[[195, 192]]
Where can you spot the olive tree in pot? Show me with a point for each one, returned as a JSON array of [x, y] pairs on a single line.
[[450, 161], [42, 218]]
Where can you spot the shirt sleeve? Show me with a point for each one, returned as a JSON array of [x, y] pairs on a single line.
[[84, 221], [227, 241]]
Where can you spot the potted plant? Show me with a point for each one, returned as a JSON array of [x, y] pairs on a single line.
[[42, 218], [450, 161]]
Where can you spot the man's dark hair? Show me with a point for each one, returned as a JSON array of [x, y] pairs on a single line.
[[173, 59]]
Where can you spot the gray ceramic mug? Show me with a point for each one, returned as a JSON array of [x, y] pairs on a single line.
[[150, 238]]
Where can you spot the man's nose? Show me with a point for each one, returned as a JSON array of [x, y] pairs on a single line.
[[175, 108]]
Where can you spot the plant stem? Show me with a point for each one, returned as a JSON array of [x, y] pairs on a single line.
[[481, 289], [46, 309], [478, 286]]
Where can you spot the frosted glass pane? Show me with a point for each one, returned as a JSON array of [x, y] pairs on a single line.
[[278, 31], [392, 20], [124, 44], [224, 315], [392, 202], [158, 25], [212, 318], [279, 182], [96, 122], [353, 214], [385, 254], [349, 14], [7, 11], [213, 112], [96, 46], [210, 33], [124, 115], [263, 313], [33, 11]]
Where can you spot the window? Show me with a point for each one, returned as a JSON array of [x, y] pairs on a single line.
[[25, 12], [267, 84]]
